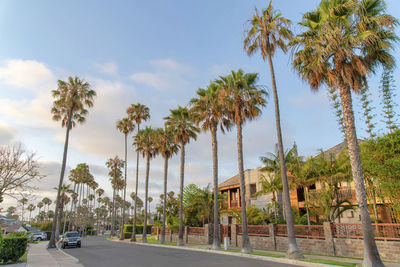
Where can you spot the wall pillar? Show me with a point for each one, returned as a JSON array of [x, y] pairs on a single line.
[[170, 236], [234, 231], [272, 234], [329, 239], [186, 234]]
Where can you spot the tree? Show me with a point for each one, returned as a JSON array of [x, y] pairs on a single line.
[[125, 126], [268, 32], [167, 148], [342, 43], [114, 165], [40, 205], [150, 199], [30, 208], [271, 184], [137, 113], [145, 143], [64, 199], [18, 169], [209, 111], [387, 92], [71, 100], [181, 122], [244, 100], [47, 201], [11, 212], [23, 202]]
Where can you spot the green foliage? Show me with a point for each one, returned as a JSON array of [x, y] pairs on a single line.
[[139, 230], [13, 248], [256, 216], [387, 91], [46, 226]]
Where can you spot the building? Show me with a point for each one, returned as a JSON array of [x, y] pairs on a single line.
[[15, 229], [231, 187]]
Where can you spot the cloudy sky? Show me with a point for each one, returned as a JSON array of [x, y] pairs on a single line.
[[153, 52]]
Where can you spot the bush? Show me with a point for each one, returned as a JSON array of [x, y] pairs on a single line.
[[139, 230], [46, 226], [13, 248]]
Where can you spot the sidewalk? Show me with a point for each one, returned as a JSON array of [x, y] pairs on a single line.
[[263, 254], [40, 256]]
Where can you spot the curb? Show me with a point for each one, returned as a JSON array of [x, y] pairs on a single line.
[[65, 253], [237, 254]]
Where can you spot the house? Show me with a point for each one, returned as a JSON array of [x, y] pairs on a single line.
[[15, 229], [8, 221], [231, 187]]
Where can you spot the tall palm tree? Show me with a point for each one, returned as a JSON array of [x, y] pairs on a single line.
[[114, 165], [100, 193], [145, 143], [47, 201], [71, 100], [181, 123], [65, 190], [244, 100], [31, 208], [343, 42], [23, 202], [40, 206], [167, 147], [125, 126], [269, 31], [137, 113], [209, 110]]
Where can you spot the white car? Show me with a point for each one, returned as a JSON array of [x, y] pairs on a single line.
[[39, 236]]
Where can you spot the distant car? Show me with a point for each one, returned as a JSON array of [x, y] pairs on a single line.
[[71, 239], [38, 236]]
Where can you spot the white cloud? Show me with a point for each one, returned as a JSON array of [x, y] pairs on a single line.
[[27, 74], [7, 133], [109, 68]]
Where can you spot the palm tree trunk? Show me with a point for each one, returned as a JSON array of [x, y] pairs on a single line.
[[113, 215], [123, 215], [52, 242], [72, 205], [246, 247], [133, 239], [180, 237], [146, 192], [59, 220], [216, 239], [293, 250], [371, 254], [165, 200]]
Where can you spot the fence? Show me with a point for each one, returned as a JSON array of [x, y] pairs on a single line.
[[303, 231], [382, 231], [196, 230]]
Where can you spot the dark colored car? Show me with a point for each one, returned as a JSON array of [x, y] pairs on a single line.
[[71, 239]]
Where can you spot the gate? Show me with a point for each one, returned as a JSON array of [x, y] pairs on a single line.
[[225, 232]]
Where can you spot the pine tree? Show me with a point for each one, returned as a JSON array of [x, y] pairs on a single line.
[[367, 111], [387, 91], [337, 107]]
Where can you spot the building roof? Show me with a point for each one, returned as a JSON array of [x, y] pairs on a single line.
[[235, 180], [15, 228]]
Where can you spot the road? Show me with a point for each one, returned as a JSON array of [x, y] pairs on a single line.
[[99, 252]]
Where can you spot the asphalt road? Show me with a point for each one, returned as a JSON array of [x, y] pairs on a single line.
[[99, 252]]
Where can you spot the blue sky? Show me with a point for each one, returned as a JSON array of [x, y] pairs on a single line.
[[157, 53]]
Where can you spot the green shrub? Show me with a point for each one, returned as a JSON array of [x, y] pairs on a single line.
[[13, 248], [46, 226], [127, 235], [139, 230]]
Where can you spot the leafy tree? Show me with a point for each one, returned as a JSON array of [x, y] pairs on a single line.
[[181, 122], [138, 114], [271, 184], [342, 43], [125, 126], [244, 100], [11, 212], [72, 98], [209, 111]]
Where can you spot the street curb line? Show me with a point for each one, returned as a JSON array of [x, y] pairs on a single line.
[[237, 254], [76, 259]]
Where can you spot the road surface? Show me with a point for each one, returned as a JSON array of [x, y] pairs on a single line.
[[99, 252]]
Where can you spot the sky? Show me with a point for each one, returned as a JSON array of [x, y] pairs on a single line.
[[157, 53]]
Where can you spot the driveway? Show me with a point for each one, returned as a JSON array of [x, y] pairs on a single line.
[[99, 252]]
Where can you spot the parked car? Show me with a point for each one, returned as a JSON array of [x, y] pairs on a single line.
[[38, 236], [71, 239]]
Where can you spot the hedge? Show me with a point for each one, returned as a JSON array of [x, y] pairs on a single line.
[[13, 248], [139, 230]]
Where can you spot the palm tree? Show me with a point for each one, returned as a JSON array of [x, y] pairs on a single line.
[[100, 193], [145, 143], [125, 126], [209, 110], [167, 147], [115, 165], [31, 208], [243, 99], [342, 43], [64, 198], [23, 202], [181, 123], [47, 201], [71, 100], [271, 184], [137, 113], [269, 31], [150, 200], [40, 205]]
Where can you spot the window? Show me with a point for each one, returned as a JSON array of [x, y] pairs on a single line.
[[253, 190], [312, 187]]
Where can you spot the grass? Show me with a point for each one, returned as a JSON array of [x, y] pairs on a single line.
[[331, 262], [229, 250], [20, 260]]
